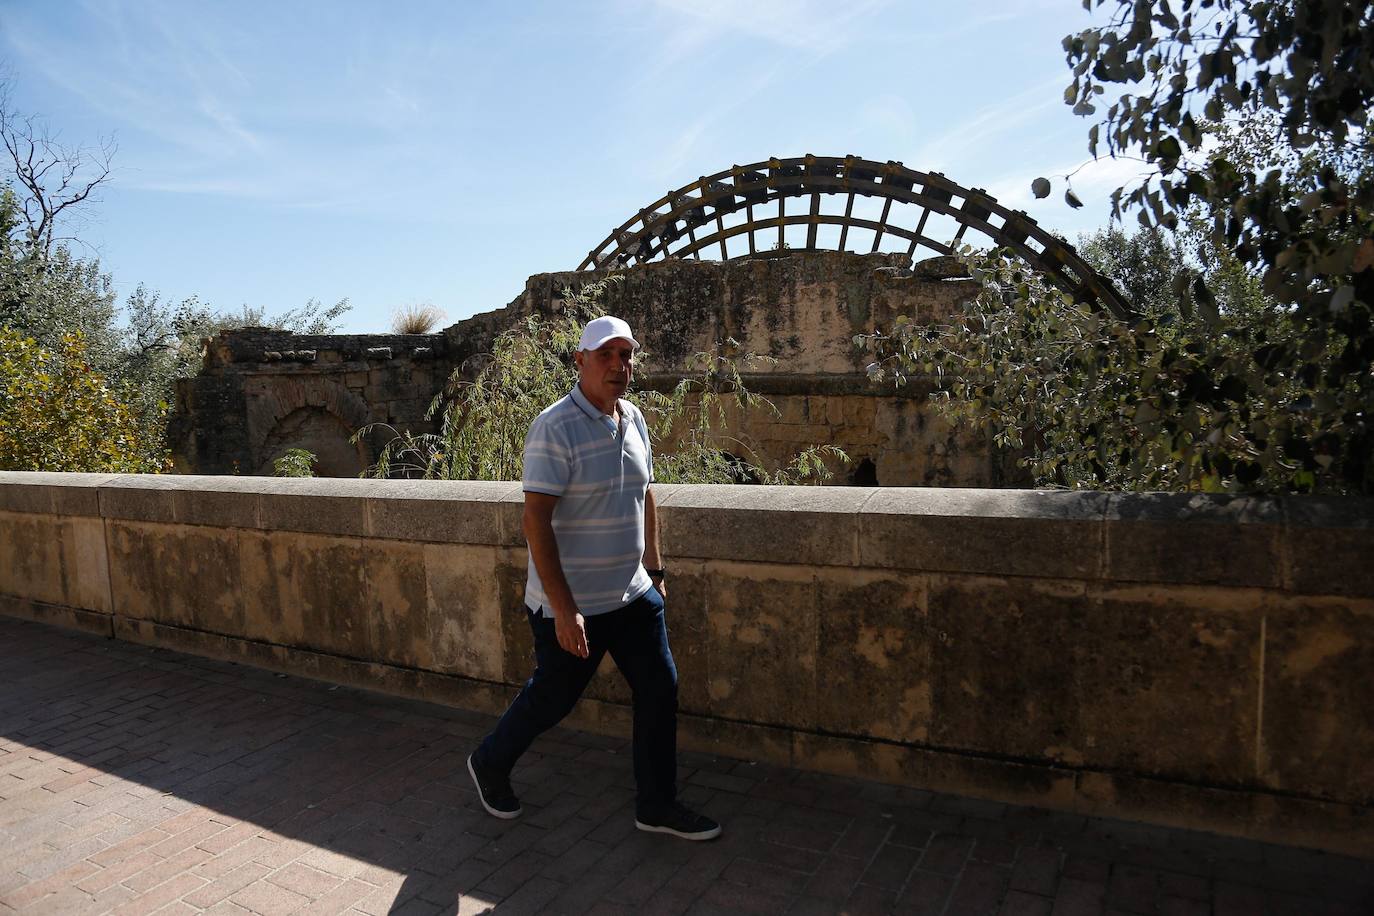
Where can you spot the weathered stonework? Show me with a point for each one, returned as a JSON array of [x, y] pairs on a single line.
[[263, 391], [1042, 647]]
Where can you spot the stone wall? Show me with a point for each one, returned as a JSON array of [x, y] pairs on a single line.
[[262, 392], [1187, 660]]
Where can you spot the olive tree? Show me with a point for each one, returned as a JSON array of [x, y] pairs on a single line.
[[1247, 364]]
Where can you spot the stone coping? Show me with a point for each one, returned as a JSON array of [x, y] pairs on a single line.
[[1314, 545]]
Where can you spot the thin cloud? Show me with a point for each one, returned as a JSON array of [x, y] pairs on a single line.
[[810, 26]]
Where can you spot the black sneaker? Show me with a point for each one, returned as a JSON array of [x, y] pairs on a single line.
[[680, 822], [494, 792]]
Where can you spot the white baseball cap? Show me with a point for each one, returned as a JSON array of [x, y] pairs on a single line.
[[600, 330]]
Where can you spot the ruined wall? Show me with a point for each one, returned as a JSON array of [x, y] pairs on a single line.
[[1191, 660], [262, 392]]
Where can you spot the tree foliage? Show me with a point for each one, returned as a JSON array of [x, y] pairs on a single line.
[[64, 302], [1092, 401], [484, 418], [1254, 117], [59, 413]]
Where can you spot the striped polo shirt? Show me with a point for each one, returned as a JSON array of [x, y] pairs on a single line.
[[600, 472]]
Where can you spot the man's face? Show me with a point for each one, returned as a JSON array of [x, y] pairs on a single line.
[[604, 373]]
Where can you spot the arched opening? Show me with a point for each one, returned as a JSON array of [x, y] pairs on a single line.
[[865, 474], [319, 432]]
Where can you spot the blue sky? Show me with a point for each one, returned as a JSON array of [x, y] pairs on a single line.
[[400, 153]]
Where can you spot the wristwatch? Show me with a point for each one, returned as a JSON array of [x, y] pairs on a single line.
[[656, 573]]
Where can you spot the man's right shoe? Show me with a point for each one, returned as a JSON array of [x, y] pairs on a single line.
[[494, 791], [680, 822]]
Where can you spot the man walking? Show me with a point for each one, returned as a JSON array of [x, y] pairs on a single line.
[[591, 528]]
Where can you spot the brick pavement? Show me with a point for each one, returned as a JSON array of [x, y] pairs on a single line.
[[135, 780]]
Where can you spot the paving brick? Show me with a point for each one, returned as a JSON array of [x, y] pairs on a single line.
[[35, 891], [304, 880], [159, 896], [186, 783], [1079, 898], [1192, 887], [891, 866], [734, 898], [117, 872], [1133, 889], [925, 893], [227, 885], [217, 843], [337, 900], [165, 870], [868, 900], [1020, 903], [980, 889], [269, 899], [947, 853], [1183, 906], [1236, 900], [1036, 871], [835, 878]]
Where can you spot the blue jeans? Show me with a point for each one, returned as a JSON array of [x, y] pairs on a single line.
[[637, 638]]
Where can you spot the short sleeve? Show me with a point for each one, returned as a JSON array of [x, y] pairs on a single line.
[[548, 465]]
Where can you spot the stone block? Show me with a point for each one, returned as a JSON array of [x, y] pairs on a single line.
[[31, 557], [795, 525], [225, 502], [608, 685], [1168, 681], [757, 743], [20, 492], [60, 493], [1197, 538], [936, 770], [517, 644], [335, 506], [397, 608], [874, 655], [464, 611], [322, 588], [265, 615], [511, 518], [1284, 820], [176, 574], [762, 649], [1328, 543], [1155, 682], [94, 622], [1039, 533], [455, 512], [87, 563], [135, 576], [138, 498], [1004, 666], [1318, 698], [689, 631]]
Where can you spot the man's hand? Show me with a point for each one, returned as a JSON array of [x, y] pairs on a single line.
[[572, 633], [661, 585]]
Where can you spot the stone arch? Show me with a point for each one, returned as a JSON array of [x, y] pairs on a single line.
[[692, 220], [316, 414]]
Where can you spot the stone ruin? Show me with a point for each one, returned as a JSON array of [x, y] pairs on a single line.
[[263, 391]]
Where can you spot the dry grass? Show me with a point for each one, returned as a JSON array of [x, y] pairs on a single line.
[[416, 319]]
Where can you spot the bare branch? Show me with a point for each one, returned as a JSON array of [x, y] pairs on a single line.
[[52, 178]]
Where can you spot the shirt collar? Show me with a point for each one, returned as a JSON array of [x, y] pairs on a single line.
[[588, 407]]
